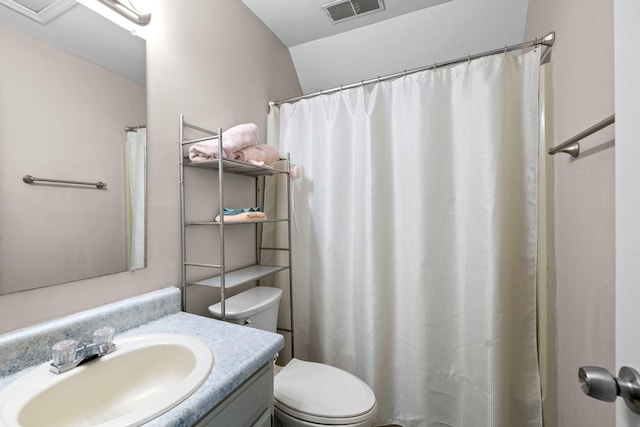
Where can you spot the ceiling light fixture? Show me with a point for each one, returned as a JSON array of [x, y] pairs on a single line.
[[123, 13], [138, 14], [128, 10]]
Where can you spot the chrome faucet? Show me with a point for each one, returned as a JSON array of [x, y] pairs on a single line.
[[68, 354]]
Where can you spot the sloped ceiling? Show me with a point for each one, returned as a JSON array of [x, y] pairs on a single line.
[[437, 32]]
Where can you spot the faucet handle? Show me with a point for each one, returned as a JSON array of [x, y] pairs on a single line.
[[64, 352], [104, 336]]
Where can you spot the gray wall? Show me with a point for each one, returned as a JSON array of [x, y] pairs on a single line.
[[216, 63], [582, 62]]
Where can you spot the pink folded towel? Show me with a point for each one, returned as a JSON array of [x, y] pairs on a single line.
[[244, 217], [233, 140], [260, 154]]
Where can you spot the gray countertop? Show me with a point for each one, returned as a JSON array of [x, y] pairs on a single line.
[[238, 353]]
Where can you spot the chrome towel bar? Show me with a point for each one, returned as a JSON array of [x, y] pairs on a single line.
[[28, 179], [571, 145]]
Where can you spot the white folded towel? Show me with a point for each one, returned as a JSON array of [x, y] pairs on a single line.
[[233, 140]]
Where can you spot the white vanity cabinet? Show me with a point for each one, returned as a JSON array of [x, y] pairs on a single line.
[[251, 405]]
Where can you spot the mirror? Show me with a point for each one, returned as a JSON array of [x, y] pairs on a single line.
[[70, 83]]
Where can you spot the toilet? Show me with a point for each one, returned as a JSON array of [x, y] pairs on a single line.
[[306, 394]]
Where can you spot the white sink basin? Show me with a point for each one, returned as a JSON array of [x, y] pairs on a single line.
[[146, 376]]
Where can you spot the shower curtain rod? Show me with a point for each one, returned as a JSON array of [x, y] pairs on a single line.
[[547, 40], [134, 128]]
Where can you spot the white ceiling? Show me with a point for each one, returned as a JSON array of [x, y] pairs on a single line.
[[299, 21]]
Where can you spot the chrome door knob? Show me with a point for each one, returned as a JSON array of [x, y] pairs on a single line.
[[600, 384]]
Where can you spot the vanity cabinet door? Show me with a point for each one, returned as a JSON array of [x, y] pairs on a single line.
[[251, 405], [264, 420]]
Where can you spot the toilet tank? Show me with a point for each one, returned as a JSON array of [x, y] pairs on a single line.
[[256, 307]]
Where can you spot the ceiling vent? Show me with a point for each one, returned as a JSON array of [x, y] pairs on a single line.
[[343, 10]]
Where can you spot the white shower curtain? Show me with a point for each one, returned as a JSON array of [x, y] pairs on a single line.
[[135, 176], [416, 266]]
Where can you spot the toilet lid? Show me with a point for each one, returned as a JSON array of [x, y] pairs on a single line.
[[314, 391], [247, 303]]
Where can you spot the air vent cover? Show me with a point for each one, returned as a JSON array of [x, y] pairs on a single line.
[[342, 10]]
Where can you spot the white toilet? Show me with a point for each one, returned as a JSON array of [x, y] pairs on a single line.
[[306, 394]]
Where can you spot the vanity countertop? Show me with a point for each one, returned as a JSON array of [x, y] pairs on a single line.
[[238, 352]]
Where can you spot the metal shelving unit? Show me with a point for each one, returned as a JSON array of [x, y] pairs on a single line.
[[228, 279]]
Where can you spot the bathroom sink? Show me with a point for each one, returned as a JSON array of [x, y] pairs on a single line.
[[146, 376]]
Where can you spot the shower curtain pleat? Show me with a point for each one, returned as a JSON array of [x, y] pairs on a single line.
[[416, 265], [135, 176]]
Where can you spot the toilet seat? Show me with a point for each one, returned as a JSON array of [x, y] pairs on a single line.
[[322, 394]]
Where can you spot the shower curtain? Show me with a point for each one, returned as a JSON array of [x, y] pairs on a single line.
[[415, 268], [135, 164]]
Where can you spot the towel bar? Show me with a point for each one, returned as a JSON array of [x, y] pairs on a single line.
[[28, 179], [572, 147]]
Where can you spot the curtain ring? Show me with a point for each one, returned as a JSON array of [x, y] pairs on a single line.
[[468, 59], [362, 83], [405, 73], [378, 79], [435, 66], [505, 49]]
